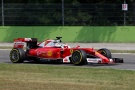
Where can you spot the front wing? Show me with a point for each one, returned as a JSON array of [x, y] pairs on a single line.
[[96, 60]]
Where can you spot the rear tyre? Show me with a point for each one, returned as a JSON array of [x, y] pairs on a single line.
[[17, 55], [79, 57], [105, 52]]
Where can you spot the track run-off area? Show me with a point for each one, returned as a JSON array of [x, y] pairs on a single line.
[[129, 61]]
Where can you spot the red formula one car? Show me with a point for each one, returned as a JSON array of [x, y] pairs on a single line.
[[55, 50]]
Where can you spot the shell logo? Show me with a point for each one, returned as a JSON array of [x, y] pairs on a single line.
[[49, 53]]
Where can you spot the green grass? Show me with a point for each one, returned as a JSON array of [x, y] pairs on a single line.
[[48, 77], [122, 51], [5, 47]]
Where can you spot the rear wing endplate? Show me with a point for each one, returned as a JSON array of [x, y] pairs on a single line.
[[20, 42]]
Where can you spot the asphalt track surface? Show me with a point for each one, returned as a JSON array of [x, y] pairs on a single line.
[[129, 61]]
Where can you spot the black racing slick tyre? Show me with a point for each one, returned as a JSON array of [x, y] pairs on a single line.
[[17, 55], [105, 52], [78, 57]]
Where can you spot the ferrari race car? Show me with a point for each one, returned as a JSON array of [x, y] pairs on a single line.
[[57, 51]]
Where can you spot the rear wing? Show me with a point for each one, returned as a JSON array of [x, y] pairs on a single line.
[[20, 42]]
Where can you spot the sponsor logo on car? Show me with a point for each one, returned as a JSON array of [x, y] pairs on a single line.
[[49, 53]]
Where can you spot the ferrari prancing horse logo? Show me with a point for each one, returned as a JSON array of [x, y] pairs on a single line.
[[71, 50]]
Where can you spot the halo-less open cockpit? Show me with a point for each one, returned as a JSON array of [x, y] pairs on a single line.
[[53, 43]]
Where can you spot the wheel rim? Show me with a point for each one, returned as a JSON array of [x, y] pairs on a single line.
[[76, 57], [15, 55]]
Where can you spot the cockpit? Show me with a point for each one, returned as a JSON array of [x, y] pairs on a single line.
[[53, 43]]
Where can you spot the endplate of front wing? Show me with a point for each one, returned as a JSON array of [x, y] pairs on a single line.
[[118, 60]]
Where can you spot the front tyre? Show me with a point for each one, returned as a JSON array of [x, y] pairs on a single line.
[[78, 57], [105, 52], [17, 55]]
